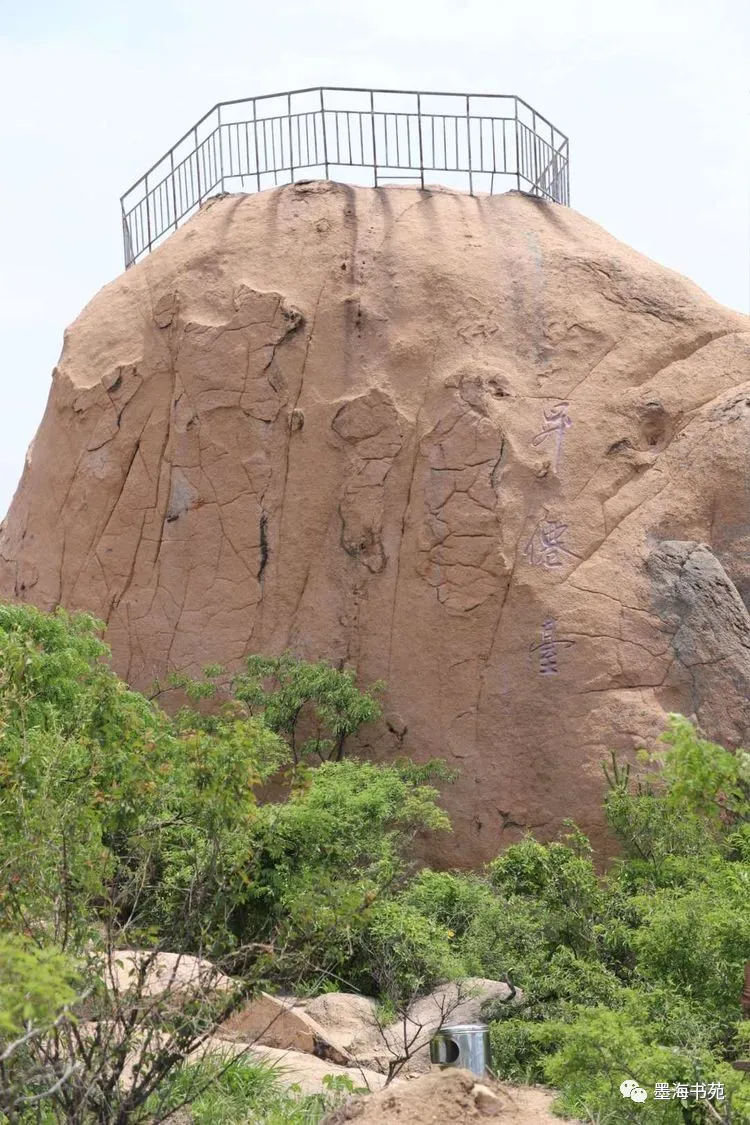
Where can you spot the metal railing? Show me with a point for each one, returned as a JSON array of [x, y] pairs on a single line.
[[481, 142]]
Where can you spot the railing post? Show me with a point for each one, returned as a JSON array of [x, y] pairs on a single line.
[[421, 155], [148, 216], [197, 166], [325, 138], [291, 150], [257, 150], [518, 148], [468, 145], [221, 151], [566, 177], [174, 186], [372, 129], [127, 241]]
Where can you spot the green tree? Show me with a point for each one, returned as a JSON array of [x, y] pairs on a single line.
[[106, 804], [326, 860], [645, 980], [313, 706], [122, 827]]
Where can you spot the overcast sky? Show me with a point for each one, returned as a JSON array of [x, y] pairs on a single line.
[[654, 95]]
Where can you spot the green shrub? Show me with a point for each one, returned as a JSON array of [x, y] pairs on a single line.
[[324, 858], [697, 942], [636, 974], [312, 706], [602, 1048], [404, 953], [36, 985], [107, 806], [561, 877], [122, 827], [454, 901]]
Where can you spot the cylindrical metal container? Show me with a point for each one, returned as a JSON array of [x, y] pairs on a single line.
[[466, 1045]]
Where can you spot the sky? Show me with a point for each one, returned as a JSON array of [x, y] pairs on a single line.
[[654, 95]]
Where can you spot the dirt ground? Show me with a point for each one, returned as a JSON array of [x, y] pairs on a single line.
[[448, 1096]]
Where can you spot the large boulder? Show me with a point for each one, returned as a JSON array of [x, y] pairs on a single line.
[[291, 1067], [352, 1023], [458, 1002], [440, 438], [277, 1022], [151, 975]]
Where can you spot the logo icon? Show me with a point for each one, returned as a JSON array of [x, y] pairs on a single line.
[[630, 1089]]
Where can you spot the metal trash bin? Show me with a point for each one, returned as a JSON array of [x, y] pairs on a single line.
[[466, 1045]]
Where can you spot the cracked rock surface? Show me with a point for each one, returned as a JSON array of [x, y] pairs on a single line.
[[474, 447]]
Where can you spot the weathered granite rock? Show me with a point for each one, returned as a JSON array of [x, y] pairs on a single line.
[[305, 1072], [448, 1005], [350, 1021], [441, 438], [710, 633], [158, 974], [274, 1021]]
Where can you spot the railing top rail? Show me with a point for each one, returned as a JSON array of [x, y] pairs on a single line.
[[341, 90]]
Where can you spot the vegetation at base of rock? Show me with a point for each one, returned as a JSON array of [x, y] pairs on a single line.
[[241, 1091], [36, 984], [636, 974], [236, 1092], [123, 827], [312, 706], [120, 825]]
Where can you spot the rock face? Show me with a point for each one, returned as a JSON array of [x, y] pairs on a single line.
[[472, 446]]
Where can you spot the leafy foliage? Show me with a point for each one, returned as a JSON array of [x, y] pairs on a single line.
[[649, 989], [105, 802], [118, 821], [633, 974], [327, 861], [312, 706], [36, 985], [239, 1090], [122, 827]]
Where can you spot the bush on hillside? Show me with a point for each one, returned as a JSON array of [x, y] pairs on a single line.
[[312, 706], [118, 822], [122, 827]]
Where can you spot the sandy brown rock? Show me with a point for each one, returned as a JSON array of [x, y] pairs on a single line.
[[444, 439], [349, 1021], [447, 1005], [456, 1002], [446, 1096], [154, 975], [292, 1068], [273, 1022]]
